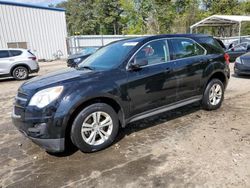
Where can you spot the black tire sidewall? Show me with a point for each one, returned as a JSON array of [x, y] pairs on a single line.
[[205, 101], [76, 136], [14, 75]]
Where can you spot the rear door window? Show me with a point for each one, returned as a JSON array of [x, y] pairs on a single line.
[[15, 52], [4, 54], [184, 48]]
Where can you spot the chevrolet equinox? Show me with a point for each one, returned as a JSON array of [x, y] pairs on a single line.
[[123, 82]]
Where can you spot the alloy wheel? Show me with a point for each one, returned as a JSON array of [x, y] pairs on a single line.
[[97, 128], [215, 94]]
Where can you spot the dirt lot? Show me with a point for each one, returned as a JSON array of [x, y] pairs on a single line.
[[188, 147]]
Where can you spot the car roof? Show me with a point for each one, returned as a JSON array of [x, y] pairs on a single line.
[[152, 37], [21, 49]]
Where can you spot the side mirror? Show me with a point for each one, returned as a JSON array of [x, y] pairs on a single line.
[[137, 63]]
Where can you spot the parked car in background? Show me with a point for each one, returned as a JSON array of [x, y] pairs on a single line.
[[242, 65], [17, 63], [123, 82], [238, 50], [74, 60]]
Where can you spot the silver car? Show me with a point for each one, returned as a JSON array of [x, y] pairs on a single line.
[[18, 63]]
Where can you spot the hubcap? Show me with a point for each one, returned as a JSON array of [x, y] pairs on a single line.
[[20, 73], [97, 128], [215, 94]]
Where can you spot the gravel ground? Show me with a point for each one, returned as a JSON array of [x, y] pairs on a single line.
[[187, 147]]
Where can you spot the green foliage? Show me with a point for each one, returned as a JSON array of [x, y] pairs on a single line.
[[145, 16]]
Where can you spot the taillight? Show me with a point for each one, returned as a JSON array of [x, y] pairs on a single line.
[[227, 58], [33, 58]]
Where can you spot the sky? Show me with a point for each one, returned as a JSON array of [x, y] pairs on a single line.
[[36, 2]]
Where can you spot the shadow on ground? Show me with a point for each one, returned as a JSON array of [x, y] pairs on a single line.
[[141, 125], [241, 76], [8, 79]]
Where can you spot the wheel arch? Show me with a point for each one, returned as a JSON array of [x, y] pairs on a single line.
[[19, 65], [107, 100], [217, 75]]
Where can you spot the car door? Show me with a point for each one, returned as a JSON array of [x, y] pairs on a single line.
[[153, 85], [4, 62], [188, 57]]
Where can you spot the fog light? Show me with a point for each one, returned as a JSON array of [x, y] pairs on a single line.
[[38, 129]]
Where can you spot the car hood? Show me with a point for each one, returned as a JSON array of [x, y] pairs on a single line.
[[56, 78], [246, 55], [78, 56], [245, 58]]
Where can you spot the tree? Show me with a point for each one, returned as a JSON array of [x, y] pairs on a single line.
[[109, 16], [81, 17], [145, 16]]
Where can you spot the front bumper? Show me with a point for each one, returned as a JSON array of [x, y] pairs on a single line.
[[35, 70], [241, 69], [38, 133], [43, 126]]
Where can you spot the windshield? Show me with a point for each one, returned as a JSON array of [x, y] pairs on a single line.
[[108, 56], [87, 51]]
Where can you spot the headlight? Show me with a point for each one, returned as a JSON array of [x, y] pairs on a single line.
[[77, 60], [44, 97], [238, 60]]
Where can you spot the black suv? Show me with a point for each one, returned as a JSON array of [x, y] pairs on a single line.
[[123, 82]]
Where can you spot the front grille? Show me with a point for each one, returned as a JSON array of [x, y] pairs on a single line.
[[21, 101], [19, 111], [246, 63], [21, 95]]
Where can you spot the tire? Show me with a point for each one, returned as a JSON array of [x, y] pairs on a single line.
[[213, 95], [84, 127], [20, 73]]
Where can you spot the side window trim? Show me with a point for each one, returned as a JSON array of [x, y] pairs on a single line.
[[163, 39], [170, 50]]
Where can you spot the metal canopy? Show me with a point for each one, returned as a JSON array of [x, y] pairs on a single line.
[[221, 20]]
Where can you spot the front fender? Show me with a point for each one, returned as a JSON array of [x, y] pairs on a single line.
[[75, 97]]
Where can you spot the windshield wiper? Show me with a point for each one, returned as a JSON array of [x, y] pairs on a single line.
[[86, 67]]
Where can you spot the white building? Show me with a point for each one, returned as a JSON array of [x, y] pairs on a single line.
[[40, 29]]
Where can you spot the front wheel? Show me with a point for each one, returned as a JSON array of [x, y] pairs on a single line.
[[95, 127], [213, 95]]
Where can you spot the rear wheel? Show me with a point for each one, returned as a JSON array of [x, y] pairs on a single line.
[[20, 73], [213, 95], [95, 127]]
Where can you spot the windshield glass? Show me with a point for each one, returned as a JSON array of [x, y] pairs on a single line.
[[87, 51], [109, 56]]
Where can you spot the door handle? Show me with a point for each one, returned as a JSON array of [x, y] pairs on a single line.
[[168, 70], [210, 60]]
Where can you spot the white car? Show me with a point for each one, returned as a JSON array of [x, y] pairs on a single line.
[[18, 63]]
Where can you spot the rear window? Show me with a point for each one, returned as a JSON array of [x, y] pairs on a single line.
[[4, 54], [15, 52], [212, 46], [31, 53]]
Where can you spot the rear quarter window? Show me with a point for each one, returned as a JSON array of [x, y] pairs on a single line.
[[31, 53], [15, 52], [211, 45]]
